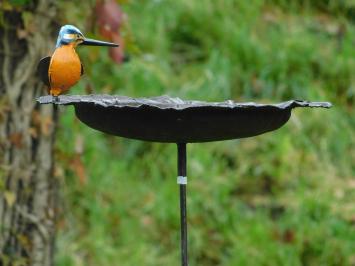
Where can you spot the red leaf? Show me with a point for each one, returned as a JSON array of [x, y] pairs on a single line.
[[109, 17], [289, 236]]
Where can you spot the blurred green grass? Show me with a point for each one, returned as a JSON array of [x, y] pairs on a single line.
[[283, 198]]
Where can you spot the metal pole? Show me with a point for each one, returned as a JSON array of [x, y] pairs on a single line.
[[182, 181]]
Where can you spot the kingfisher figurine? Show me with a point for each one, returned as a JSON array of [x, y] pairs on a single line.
[[63, 69]]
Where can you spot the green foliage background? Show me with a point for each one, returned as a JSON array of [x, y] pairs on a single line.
[[283, 198]]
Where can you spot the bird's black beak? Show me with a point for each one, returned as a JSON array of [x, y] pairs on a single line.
[[93, 42]]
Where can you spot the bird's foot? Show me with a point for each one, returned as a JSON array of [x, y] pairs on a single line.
[[55, 98]]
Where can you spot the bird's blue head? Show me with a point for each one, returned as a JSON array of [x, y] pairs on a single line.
[[70, 34]]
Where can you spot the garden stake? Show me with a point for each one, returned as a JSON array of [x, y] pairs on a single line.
[[182, 181]]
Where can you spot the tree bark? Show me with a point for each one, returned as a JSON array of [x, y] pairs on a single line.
[[28, 188]]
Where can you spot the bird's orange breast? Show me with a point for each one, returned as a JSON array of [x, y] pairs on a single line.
[[64, 69]]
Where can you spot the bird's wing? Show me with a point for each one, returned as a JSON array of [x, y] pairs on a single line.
[[82, 70], [42, 70]]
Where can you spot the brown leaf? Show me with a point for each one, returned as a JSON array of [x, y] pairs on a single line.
[[16, 139], [288, 236], [46, 125], [79, 169], [36, 118], [40, 124]]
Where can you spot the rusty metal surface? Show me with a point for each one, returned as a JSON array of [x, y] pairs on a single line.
[[166, 119]]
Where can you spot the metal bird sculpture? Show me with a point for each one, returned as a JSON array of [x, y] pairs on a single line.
[[63, 69]]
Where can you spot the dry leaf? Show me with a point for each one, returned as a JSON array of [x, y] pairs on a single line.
[[36, 118], [288, 236], [46, 125], [16, 139], [79, 169]]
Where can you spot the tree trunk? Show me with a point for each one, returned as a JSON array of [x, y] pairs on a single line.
[[28, 188]]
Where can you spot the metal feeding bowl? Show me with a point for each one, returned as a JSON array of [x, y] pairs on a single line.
[[166, 119]]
